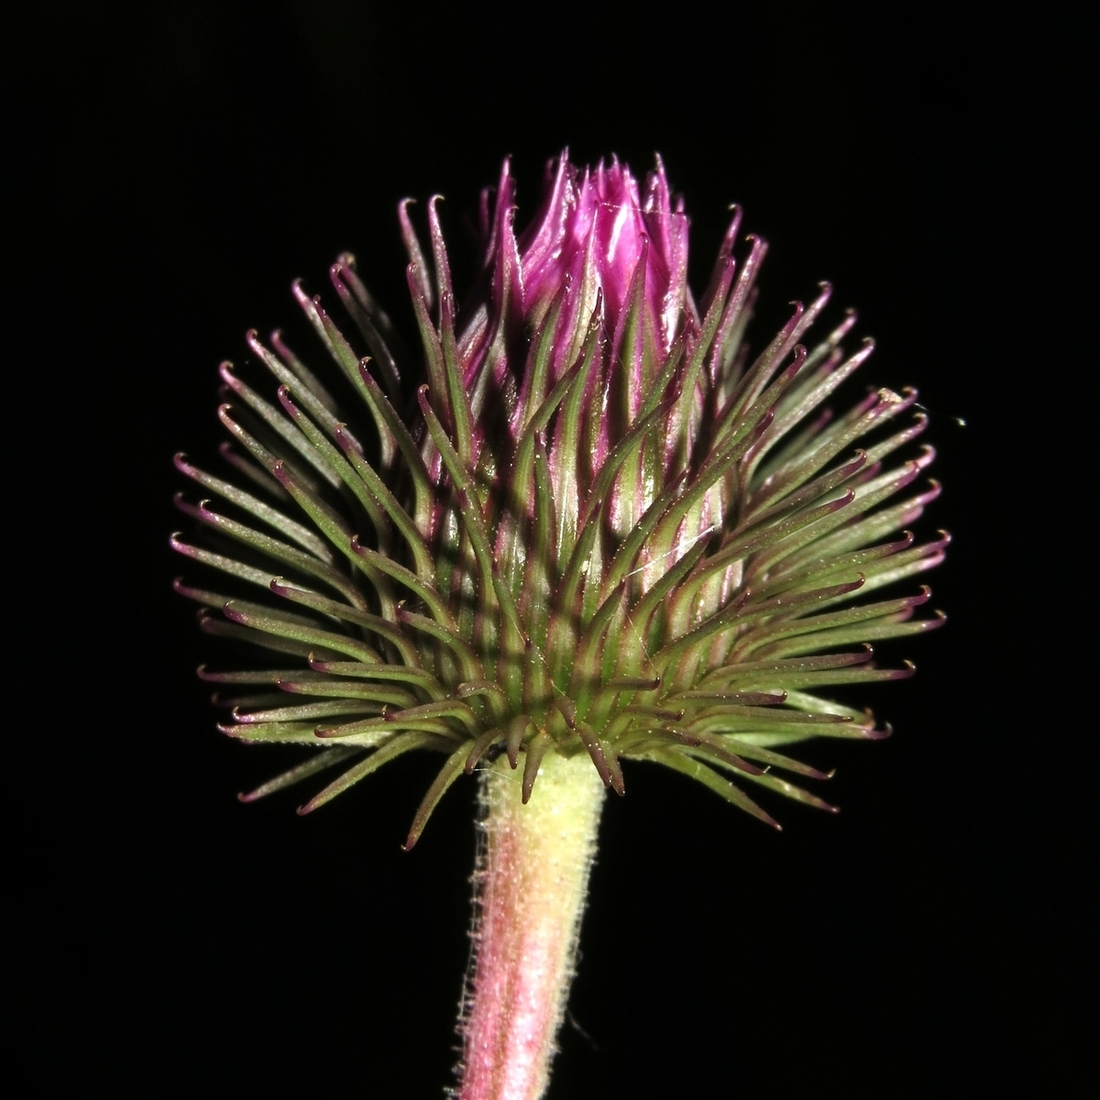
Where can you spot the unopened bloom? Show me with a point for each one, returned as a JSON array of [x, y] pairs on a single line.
[[601, 529], [604, 527]]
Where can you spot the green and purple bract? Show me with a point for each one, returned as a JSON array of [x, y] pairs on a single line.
[[600, 525]]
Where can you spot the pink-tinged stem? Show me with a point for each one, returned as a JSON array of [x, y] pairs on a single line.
[[531, 881]]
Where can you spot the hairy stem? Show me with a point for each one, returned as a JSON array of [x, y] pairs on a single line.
[[531, 881]]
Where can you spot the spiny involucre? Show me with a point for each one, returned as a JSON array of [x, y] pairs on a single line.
[[598, 526]]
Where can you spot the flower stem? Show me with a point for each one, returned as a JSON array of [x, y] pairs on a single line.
[[531, 880]]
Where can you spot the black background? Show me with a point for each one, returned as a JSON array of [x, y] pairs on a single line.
[[171, 169]]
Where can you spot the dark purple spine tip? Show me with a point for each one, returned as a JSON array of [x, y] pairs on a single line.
[[763, 423]]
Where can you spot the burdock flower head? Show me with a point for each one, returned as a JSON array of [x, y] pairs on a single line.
[[601, 530]]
